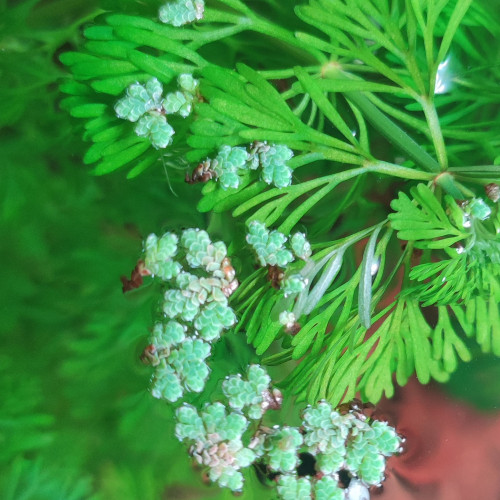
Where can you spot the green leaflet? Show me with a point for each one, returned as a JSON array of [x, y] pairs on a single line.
[[115, 49], [219, 200], [404, 342], [254, 326], [448, 281], [428, 226], [116, 85], [152, 65], [146, 162], [90, 110], [446, 344], [315, 329], [247, 115], [365, 284], [119, 159], [85, 66], [324, 104], [264, 91], [159, 42], [269, 333], [229, 82]]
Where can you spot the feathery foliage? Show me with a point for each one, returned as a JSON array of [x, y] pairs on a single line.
[[353, 71], [349, 154]]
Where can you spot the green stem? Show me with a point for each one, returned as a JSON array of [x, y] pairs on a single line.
[[447, 182], [329, 182], [436, 132], [393, 132], [382, 167], [465, 190], [412, 66], [206, 37]]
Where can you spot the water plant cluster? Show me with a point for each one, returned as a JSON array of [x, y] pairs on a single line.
[[227, 436], [347, 160]]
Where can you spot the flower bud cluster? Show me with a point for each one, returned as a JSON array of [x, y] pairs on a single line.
[[218, 435], [227, 437], [215, 434], [270, 249], [180, 12], [145, 105], [349, 442], [338, 442], [230, 162], [268, 245], [252, 396], [273, 160], [326, 488], [195, 307]]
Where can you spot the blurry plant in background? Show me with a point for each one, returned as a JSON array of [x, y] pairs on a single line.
[[372, 129]]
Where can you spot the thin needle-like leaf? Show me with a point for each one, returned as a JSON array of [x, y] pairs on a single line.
[[365, 284]]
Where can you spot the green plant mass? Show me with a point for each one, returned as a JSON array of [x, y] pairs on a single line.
[[315, 185]]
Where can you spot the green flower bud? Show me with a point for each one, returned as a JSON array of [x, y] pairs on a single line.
[[188, 362], [291, 487], [180, 12], [179, 304], [274, 169], [327, 488], [332, 461], [166, 384], [282, 449], [173, 102], [293, 284], [158, 254], [168, 335], [287, 318], [139, 100], [300, 246], [189, 424], [213, 319], [248, 394], [187, 83], [269, 246], [154, 126], [384, 437]]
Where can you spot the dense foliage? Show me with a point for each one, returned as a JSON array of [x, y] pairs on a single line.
[[348, 152]]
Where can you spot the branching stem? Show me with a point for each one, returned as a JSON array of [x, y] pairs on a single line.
[[436, 132]]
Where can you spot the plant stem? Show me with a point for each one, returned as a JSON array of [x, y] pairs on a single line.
[[412, 66], [447, 182], [382, 167], [393, 132], [435, 129]]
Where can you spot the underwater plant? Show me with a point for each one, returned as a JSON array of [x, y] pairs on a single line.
[[345, 157]]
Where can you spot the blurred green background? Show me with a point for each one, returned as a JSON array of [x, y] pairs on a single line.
[[76, 419]]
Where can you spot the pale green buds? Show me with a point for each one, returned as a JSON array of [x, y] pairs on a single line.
[[143, 104], [274, 168], [293, 284], [268, 245], [300, 246], [139, 100], [230, 162], [292, 487], [249, 395], [282, 448], [216, 442], [196, 306], [180, 12]]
